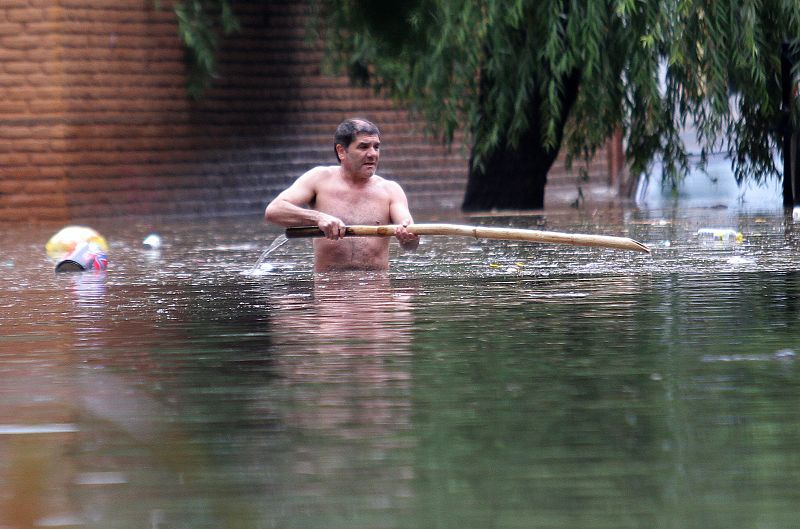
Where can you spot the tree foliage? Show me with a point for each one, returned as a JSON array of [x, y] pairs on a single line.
[[200, 23], [644, 67]]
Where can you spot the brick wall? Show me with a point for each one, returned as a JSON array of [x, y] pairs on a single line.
[[30, 100], [96, 122]]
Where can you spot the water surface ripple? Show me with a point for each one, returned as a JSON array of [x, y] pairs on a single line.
[[477, 384]]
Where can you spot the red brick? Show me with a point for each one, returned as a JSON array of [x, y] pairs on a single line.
[[12, 107], [35, 200], [12, 159], [43, 54], [25, 15], [52, 213], [28, 145], [20, 173], [19, 93], [10, 29], [20, 42], [46, 108], [21, 67], [44, 159], [10, 184], [135, 5], [104, 27], [53, 172], [37, 80], [9, 5], [121, 16], [43, 186], [42, 28]]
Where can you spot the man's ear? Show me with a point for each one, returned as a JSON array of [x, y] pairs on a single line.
[[340, 151]]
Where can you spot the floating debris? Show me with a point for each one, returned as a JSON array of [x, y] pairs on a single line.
[[69, 237], [86, 256], [719, 237], [152, 242]]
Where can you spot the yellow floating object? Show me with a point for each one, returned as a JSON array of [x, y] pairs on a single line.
[[69, 237]]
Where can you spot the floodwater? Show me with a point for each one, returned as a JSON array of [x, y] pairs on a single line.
[[478, 384]]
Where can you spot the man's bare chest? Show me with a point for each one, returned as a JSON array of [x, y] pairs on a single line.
[[364, 206]]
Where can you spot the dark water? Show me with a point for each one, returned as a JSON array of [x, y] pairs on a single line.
[[480, 384]]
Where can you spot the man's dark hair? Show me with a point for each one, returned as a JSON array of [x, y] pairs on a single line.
[[348, 129]]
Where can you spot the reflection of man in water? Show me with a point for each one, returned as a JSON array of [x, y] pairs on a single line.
[[345, 355], [351, 193]]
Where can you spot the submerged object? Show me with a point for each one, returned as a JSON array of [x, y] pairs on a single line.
[[85, 256], [68, 239]]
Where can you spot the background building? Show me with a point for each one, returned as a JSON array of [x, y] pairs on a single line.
[[96, 121]]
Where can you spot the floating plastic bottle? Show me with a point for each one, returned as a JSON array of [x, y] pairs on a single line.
[[719, 237]]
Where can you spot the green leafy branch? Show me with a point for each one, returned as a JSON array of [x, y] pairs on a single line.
[[200, 23]]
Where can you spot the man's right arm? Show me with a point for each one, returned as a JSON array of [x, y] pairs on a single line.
[[291, 207]]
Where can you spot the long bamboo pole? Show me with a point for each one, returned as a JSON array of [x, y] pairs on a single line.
[[481, 232]]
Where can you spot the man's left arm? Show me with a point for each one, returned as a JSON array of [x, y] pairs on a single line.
[[401, 215]]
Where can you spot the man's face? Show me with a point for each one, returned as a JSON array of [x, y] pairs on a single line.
[[361, 156]]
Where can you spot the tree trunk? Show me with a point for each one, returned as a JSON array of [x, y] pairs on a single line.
[[513, 178], [510, 178], [789, 198]]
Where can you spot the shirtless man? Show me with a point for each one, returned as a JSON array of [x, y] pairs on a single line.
[[332, 197]]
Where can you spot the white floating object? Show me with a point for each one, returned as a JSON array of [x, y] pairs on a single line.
[[152, 241]]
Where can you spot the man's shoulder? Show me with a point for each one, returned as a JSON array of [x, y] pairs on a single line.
[[317, 175], [322, 171], [389, 185], [381, 181]]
